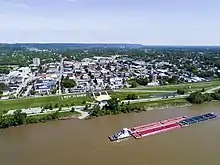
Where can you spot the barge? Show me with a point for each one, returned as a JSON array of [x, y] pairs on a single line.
[[148, 129], [141, 131], [198, 119], [158, 127]]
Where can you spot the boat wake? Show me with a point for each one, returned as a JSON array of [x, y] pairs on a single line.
[[121, 140]]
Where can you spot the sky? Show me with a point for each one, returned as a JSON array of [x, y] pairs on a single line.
[[149, 22]]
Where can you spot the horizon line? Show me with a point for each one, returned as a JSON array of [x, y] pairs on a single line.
[[111, 43]]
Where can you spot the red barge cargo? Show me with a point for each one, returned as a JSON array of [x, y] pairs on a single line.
[[154, 128]]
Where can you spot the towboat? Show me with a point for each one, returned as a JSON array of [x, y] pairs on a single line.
[[124, 133], [141, 131]]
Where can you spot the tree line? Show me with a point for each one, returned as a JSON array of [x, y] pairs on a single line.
[[114, 107], [20, 118], [199, 98]]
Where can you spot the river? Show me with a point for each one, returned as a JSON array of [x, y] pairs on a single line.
[[85, 142]]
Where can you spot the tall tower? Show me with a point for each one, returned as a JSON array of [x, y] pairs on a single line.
[[36, 61]]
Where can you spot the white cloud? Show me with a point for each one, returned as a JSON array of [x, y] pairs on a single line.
[[14, 3], [71, 0]]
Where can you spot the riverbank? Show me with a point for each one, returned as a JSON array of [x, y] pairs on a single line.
[[19, 118], [139, 107]]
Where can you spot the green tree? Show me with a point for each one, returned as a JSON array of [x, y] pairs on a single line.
[[72, 109], [96, 111], [142, 81], [68, 83], [19, 117], [181, 91], [199, 98], [32, 92], [86, 108], [54, 91], [133, 84], [131, 96], [2, 86], [55, 115], [83, 102]]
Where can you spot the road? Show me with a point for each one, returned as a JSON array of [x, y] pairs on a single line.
[[145, 91], [27, 91], [154, 99], [37, 111], [23, 85], [83, 113], [169, 98], [183, 84], [60, 76], [212, 90]]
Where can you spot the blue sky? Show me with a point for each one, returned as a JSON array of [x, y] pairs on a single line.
[[151, 22]]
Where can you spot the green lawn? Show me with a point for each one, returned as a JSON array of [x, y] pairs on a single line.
[[123, 95], [194, 86], [41, 101], [61, 114], [161, 103]]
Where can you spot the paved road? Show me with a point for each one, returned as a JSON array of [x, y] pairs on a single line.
[[212, 90], [169, 98], [145, 91], [23, 85], [27, 91], [60, 76], [37, 111], [83, 113], [154, 99]]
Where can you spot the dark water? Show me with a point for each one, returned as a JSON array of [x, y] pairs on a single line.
[[79, 142]]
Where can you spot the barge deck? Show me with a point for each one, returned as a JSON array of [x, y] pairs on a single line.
[[158, 127], [197, 119]]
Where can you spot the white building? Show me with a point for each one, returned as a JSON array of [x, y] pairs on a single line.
[[36, 61]]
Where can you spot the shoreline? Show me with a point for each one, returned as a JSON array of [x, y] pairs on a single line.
[[20, 118], [69, 117], [162, 108], [169, 107]]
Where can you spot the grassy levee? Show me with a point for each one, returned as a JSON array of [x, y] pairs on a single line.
[[193, 86], [41, 101], [61, 114], [123, 95], [162, 103]]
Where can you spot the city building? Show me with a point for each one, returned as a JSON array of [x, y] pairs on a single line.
[[36, 61]]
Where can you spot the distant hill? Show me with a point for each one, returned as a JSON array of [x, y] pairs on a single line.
[[60, 46]]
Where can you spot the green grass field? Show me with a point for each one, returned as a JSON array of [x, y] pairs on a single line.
[[161, 103], [41, 101], [194, 86], [123, 95]]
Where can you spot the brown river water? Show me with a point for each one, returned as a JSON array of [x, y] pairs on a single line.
[[85, 142]]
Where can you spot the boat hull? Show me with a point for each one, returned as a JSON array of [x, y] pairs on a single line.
[[112, 138]]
